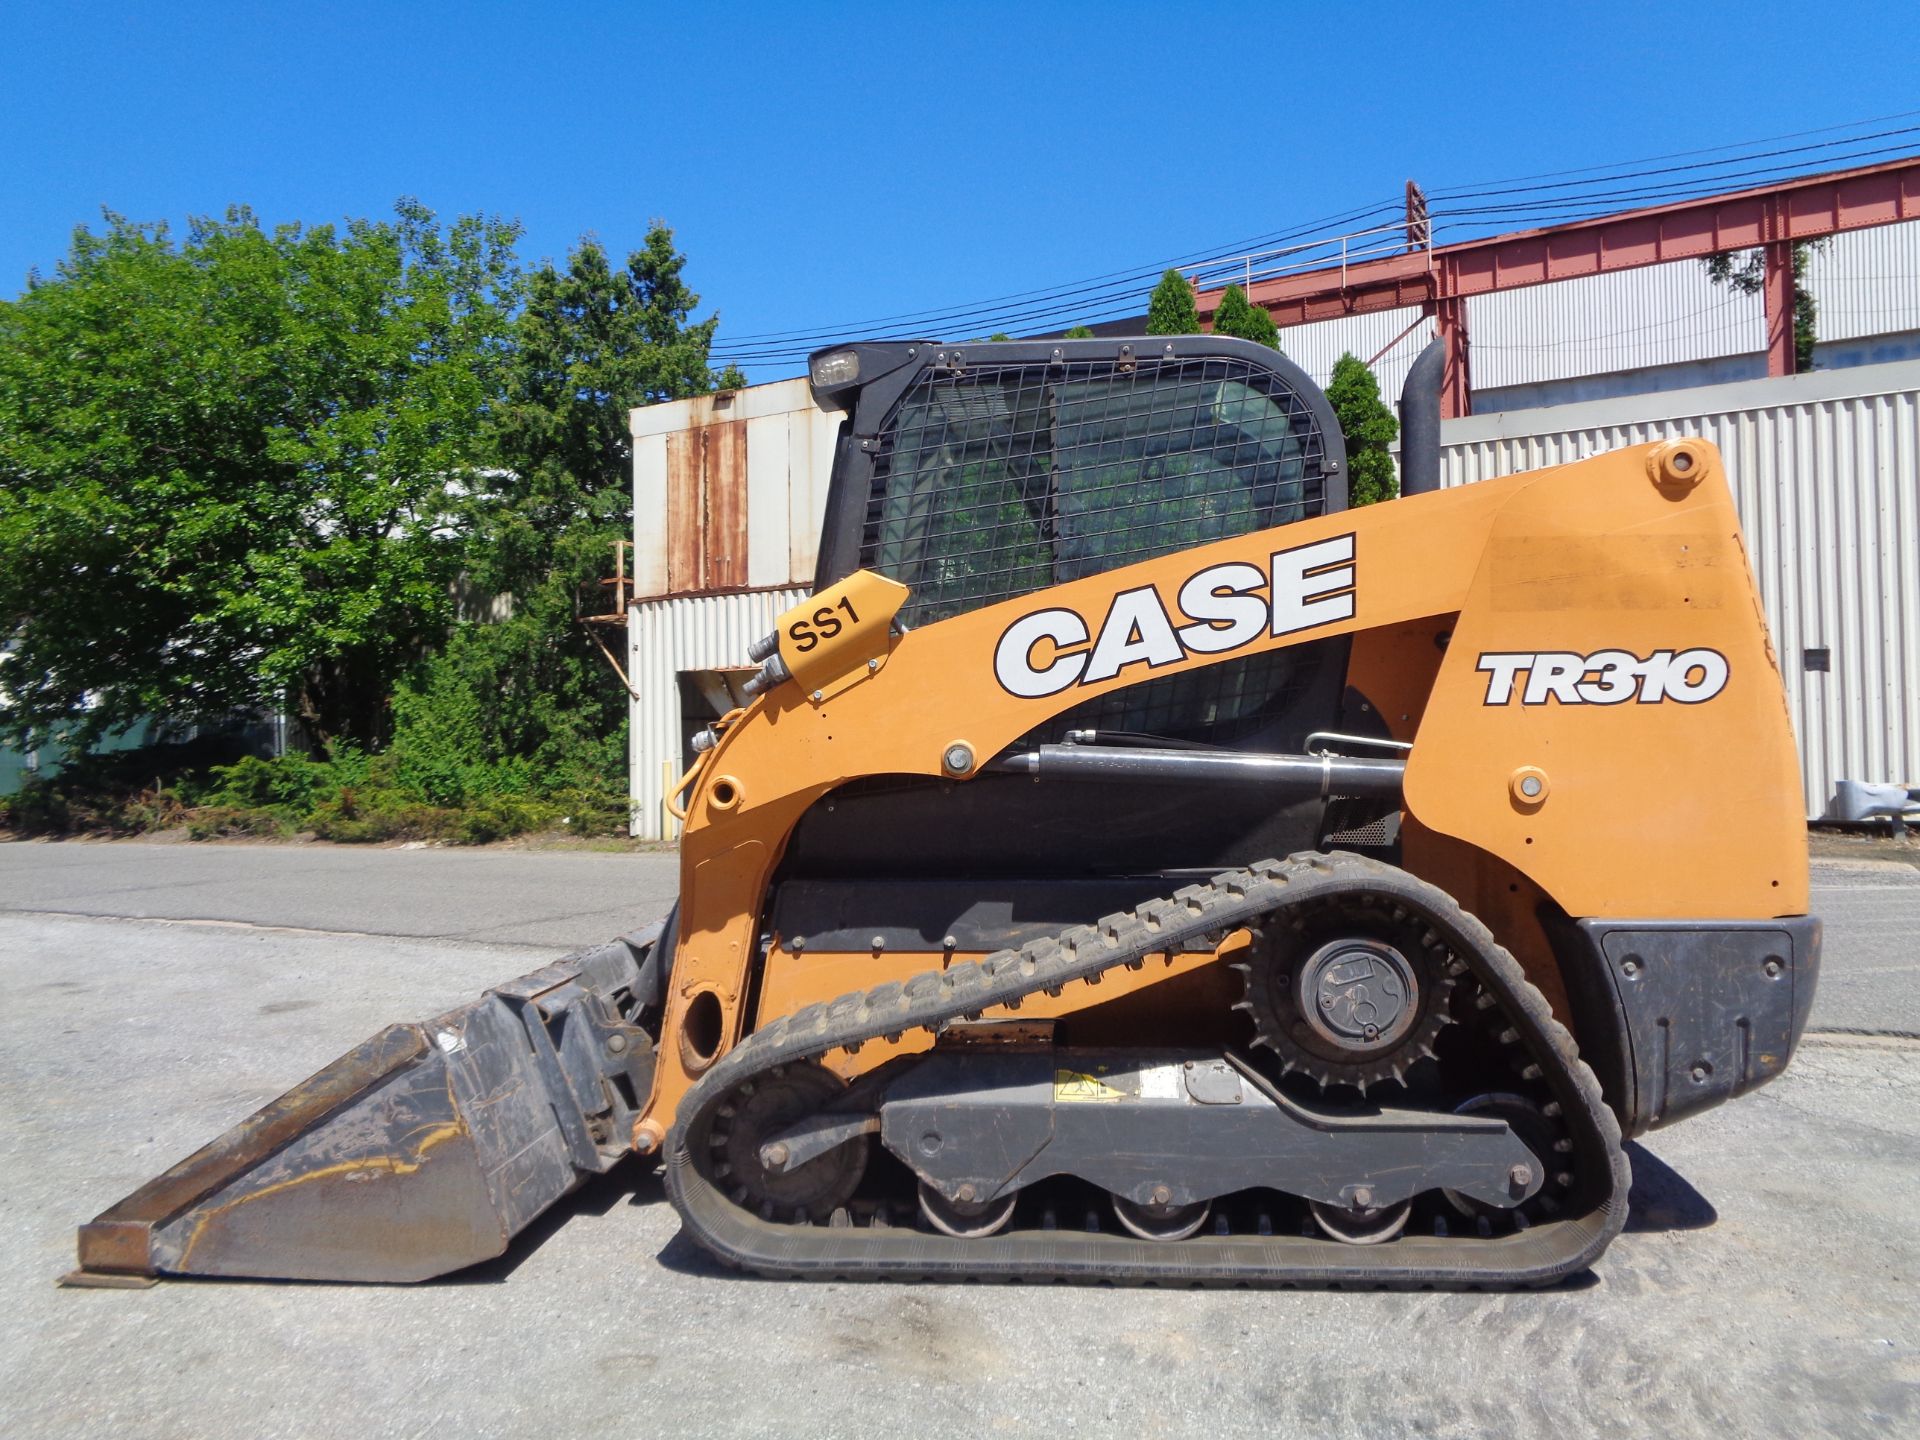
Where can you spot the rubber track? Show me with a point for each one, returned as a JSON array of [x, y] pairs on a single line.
[[1538, 1255]]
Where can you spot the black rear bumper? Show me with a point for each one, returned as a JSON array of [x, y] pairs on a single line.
[[1676, 1016]]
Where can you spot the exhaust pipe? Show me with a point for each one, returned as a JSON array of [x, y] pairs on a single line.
[[1420, 421]]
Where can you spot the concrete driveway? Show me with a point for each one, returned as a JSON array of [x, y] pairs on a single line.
[[1767, 1282]]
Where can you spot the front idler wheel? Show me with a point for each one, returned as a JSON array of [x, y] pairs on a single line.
[[1526, 1119], [764, 1108]]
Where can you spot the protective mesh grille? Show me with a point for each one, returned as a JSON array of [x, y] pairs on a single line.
[[1000, 480], [1383, 831]]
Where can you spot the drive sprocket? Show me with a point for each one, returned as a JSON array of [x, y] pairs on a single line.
[[1352, 991]]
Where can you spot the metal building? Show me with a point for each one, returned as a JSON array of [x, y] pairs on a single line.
[[1661, 327], [1558, 285]]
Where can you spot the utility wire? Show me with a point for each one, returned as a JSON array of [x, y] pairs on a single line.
[[1094, 283], [1679, 169], [1681, 189], [1706, 150], [1097, 302], [1117, 293], [1089, 302]]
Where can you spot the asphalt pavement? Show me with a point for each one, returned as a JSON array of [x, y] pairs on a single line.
[[552, 898], [158, 993], [562, 899]]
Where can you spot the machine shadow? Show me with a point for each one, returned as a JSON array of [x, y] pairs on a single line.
[[1661, 1198], [684, 1257], [629, 1182]]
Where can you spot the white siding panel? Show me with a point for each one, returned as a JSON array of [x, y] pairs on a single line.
[[665, 637], [815, 435], [789, 461], [649, 514], [1628, 320], [1826, 477], [1867, 282], [769, 463], [1315, 348]]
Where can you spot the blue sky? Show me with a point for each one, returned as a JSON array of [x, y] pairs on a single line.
[[824, 165]]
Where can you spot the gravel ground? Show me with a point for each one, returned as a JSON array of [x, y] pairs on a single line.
[[1766, 1282]]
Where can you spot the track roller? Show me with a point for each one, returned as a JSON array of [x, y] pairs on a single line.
[[1161, 1222], [963, 1219], [1373, 1225]]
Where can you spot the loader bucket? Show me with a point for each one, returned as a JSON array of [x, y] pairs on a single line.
[[424, 1150]]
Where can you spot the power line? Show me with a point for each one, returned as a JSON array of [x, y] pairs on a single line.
[[1117, 293], [1345, 217], [1678, 169], [1093, 284], [1682, 189], [1082, 303], [1706, 150]]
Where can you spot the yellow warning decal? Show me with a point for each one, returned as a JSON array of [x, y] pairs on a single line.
[[1076, 1085]]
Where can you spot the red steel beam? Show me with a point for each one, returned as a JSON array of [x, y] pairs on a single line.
[[1788, 210], [1778, 290]]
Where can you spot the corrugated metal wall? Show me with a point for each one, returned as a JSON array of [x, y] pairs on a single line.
[[1630, 320], [664, 638], [1315, 348], [1867, 282], [1826, 476]]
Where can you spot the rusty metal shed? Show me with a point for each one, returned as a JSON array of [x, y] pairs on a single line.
[[728, 494]]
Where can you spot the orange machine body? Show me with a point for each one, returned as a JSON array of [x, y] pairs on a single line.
[[1567, 651]]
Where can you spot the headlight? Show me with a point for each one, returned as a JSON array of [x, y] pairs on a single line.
[[835, 369]]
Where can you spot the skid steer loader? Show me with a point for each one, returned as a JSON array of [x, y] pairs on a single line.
[[1134, 865]]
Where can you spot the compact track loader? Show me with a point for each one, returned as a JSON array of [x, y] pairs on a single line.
[[1134, 864]]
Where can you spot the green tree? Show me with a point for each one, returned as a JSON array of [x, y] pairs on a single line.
[[1172, 309], [593, 342], [1748, 275], [1368, 427], [231, 468], [1237, 315], [1079, 332]]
